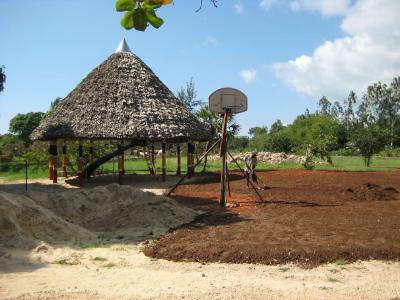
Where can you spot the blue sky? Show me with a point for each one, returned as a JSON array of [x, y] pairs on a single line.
[[284, 54]]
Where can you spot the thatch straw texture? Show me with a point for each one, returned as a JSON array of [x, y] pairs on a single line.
[[122, 99]]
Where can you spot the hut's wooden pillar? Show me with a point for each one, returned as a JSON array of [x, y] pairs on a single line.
[[80, 164], [164, 162], [51, 162], [64, 160], [178, 158], [153, 160], [55, 154], [120, 165], [190, 160], [122, 161], [91, 153], [193, 158]]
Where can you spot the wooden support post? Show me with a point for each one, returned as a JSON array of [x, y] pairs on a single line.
[[190, 160], [80, 164], [193, 156], [64, 160], [164, 162], [51, 160], [91, 154], [55, 154], [153, 159], [178, 158], [120, 166], [222, 154]]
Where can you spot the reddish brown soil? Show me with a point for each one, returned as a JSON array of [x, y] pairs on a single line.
[[307, 217]]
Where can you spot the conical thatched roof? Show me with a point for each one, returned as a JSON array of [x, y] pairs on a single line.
[[122, 99]]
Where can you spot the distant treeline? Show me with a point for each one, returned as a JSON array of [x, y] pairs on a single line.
[[357, 126]]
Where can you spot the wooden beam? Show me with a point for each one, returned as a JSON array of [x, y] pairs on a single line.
[[178, 158], [55, 154], [190, 160], [51, 164], [80, 163], [64, 160], [120, 165], [164, 162]]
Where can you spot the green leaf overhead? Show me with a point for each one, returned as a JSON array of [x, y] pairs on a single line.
[[153, 19], [139, 19], [125, 5], [127, 20]]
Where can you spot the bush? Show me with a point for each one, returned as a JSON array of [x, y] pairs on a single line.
[[370, 140], [279, 142], [390, 152]]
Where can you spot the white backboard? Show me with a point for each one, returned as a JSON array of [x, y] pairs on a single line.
[[227, 99]]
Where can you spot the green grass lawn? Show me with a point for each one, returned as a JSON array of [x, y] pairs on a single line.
[[139, 166]]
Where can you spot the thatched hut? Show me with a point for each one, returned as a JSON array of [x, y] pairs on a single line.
[[122, 99]]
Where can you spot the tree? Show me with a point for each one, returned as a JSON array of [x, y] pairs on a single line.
[[215, 121], [318, 132], [348, 111], [276, 127], [24, 124], [337, 111], [279, 142], [54, 103], [369, 140], [140, 13], [188, 96], [2, 78], [254, 131], [324, 106]]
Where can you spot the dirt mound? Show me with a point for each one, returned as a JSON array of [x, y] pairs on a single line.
[[373, 192], [112, 211]]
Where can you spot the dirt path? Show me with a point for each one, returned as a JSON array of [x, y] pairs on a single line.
[[122, 272]]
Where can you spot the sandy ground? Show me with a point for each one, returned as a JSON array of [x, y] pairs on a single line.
[[123, 272]]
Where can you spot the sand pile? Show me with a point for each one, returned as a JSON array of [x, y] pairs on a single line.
[[112, 212]]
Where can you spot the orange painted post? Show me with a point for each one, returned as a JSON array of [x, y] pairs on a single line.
[[164, 162]]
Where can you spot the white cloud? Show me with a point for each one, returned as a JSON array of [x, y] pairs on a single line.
[[248, 76], [326, 7], [368, 53], [266, 4], [238, 7]]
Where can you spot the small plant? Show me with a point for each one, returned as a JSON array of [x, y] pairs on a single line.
[[341, 262], [66, 262], [330, 279], [109, 265], [309, 163], [99, 258], [284, 269]]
